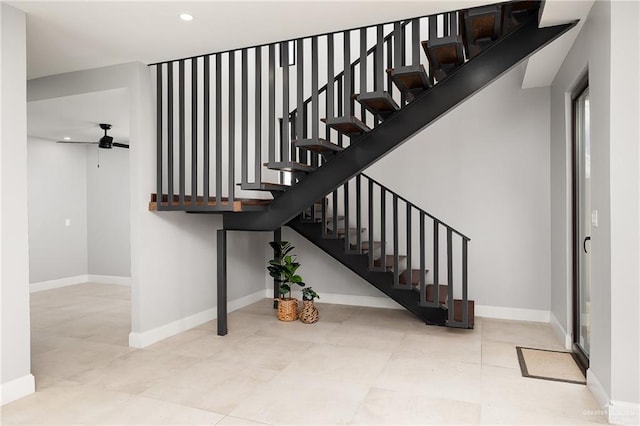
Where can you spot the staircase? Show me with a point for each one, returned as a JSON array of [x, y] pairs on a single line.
[[314, 142]]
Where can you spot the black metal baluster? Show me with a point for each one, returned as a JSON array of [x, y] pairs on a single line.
[[383, 228], [219, 141], [348, 112], [415, 42], [379, 61], [340, 138], [408, 234], [232, 127], [284, 59], [358, 214], [396, 246], [159, 137], [363, 69], [323, 214], [397, 45], [330, 81], [436, 262], [315, 102], [181, 133], [423, 264], [245, 119], [334, 219], [300, 134], [450, 302], [170, 176], [465, 296], [206, 135], [194, 131], [347, 223], [272, 103], [258, 118], [371, 245], [453, 21]]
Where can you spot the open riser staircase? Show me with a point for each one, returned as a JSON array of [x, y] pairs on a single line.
[[279, 134]]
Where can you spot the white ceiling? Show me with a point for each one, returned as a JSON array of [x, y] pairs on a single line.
[[64, 36]]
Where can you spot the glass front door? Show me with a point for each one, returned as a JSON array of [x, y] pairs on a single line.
[[584, 217]]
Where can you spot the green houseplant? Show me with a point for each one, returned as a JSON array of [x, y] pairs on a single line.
[[283, 268], [309, 313]]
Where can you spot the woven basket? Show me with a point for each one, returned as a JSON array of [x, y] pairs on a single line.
[[309, 313], [287, 309]]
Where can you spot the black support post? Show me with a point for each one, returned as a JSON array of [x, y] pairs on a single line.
[[159, 136], [222, 281], [277, 237]]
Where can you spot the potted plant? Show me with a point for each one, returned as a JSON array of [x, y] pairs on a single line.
[[309, 313], [283, 268]]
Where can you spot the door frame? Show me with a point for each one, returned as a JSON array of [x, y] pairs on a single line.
[[579, 355]]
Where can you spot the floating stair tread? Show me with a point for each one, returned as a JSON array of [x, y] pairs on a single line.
[[290, 166], [318, 145], [410, 79], [411, 276], [349, 126], [365, 245], [238, 204], [389, 261], [379, 103], [444, 51], [329, 219], [443, 295], [457, 311], [264, 186], [341, 231]]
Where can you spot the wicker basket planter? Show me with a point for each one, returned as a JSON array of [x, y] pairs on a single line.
[[287, 309], [309, 313]]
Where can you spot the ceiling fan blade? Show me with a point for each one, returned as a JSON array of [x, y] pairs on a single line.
[[78, 142], [120, 145]]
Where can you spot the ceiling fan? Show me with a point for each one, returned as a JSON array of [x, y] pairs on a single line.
[[105, 142]]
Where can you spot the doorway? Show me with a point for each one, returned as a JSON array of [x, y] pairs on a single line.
[[583, 219]]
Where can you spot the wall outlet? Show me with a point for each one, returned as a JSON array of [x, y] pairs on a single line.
[[67, 222]]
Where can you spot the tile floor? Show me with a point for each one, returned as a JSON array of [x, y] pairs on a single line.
[[355, 366]]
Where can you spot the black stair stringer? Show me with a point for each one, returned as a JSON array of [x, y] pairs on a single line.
[[359, 263], [471, 77]]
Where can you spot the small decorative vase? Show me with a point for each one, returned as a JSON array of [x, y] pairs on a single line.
[[287, 309], [309, 313]]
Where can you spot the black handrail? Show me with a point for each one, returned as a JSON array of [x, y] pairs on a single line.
[[416, 207]]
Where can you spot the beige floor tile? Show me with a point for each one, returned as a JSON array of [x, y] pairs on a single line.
[[462, 347], [538, 335], [400, 408], [298, 401], [432, 377], [505, 414], [235, 421], [393, 319], [135, 372], [359, 336], [499, 354], [297, 330], [505, 387]]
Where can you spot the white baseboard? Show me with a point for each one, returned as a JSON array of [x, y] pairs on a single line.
[[59, 283], [16, 389], [617, 412], [149, 337], [348, 299], [560, 331], [516, 314], [109, 279]]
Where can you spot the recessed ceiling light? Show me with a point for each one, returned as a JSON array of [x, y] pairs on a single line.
[[186, 17], [67, 138]]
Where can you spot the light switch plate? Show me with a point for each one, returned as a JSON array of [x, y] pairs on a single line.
[[594, 218], [67, 222]]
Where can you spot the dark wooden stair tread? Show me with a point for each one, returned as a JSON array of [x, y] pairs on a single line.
[[330, 219], [442, 296], [458, 304], [364, 245], [348, 126], [411, 276], [445, 54], [318, 145], [238, 204], [341, 231], [480, 27], [389, 263], [378, 103], [410, 80], [290, 166], [264, 186]]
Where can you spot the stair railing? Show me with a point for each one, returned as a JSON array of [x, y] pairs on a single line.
[[217, 115], [399, 232]]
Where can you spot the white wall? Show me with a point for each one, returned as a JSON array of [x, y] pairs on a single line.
[[16, 380], [57, 191], [484, 169], [107, 196], [173, 255], [608, 47]]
